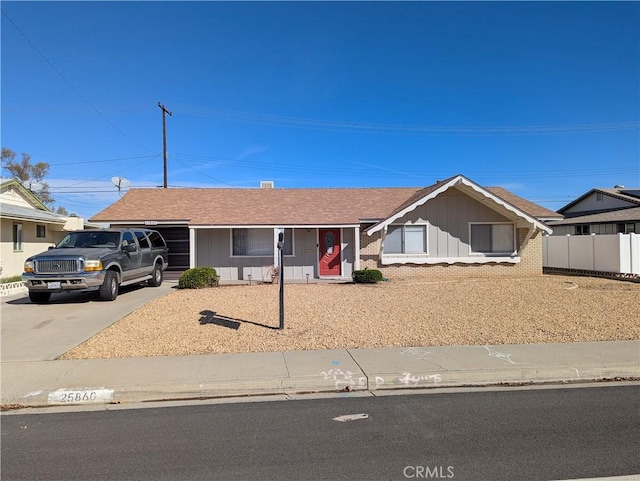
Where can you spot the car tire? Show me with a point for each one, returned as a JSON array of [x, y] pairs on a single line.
[[109, 288], [39, 297], [156, 276]]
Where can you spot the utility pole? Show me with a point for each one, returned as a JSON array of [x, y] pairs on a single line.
[[164, 140]]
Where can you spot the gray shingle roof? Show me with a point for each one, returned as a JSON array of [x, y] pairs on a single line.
[[19, 212], [621, 215], [217, 206]]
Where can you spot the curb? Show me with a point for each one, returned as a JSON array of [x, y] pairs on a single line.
[[360, 382]]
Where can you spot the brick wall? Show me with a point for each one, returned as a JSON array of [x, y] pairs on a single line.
[[530, 262]]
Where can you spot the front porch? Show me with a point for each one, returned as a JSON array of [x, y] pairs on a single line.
[[248, 254]]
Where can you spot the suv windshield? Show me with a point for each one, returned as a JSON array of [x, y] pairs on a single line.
[[90, 239]]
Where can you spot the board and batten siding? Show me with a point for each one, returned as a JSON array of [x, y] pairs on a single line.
[[448, 216], [598, 202], [213, 248]]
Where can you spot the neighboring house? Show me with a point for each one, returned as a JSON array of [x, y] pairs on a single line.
[[601, 211], [455, 227], [27, 227]]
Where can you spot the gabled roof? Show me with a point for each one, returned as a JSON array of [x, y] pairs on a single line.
[[424, 195], [621, 193], [631, 214], [26, 193], [282, 207]]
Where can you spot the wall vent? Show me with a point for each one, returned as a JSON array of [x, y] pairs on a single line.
[[266, 184]]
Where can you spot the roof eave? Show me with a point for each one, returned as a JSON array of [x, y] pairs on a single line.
[[460, 179]]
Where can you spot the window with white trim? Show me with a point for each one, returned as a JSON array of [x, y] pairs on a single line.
[[406, 239], [256, 242], [487, 238]]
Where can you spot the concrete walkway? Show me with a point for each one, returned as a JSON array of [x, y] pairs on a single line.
[[40, 383]]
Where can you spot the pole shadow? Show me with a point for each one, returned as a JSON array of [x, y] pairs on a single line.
[[212, 317]]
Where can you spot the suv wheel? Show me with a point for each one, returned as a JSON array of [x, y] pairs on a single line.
[[109, 288], [156, 276], [39, 297]]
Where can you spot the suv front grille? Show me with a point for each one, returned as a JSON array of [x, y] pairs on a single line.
[[58, 266]]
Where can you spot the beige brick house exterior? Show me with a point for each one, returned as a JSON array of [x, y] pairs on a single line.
[[454, 227], [530, 263]]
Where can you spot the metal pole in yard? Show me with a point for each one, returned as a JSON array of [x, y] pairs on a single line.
[[281, 272]]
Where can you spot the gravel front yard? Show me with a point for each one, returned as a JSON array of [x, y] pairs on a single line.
[[397, 313]]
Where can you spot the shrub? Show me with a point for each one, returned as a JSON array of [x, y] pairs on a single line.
[[7, 280], [197, 278], [367, 276]]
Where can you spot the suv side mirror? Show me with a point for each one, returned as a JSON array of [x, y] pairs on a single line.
[[129, 247]]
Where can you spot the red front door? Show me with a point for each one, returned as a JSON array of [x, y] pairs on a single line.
[[330, 252]]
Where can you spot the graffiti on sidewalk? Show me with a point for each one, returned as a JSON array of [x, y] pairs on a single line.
[[411, 380], [499, 355], [346, 379]]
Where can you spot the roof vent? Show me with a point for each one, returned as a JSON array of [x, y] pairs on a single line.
[[619, 186], [266, 184]]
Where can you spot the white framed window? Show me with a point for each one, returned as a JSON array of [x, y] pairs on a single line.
[[17, 237], [258, 242], [492, 238], [406, 239]]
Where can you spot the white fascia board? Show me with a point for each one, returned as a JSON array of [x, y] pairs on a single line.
[[35, 219], [413, 206], [460, 180], [274, 226], [509, 207], [146, 223]]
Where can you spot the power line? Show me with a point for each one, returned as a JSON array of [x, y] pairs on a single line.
[[71, 86], [116, 172], [346, 126], [202, 173], [103, 160], [379, 171]]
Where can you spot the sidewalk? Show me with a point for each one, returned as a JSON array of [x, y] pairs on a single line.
[[40, 383]]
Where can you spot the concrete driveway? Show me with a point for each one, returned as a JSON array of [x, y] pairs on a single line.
[[42, 332]]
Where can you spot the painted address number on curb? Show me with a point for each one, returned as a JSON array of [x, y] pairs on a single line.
[[65, 396]]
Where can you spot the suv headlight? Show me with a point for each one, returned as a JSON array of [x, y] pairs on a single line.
[[92, 265], [28, 266]]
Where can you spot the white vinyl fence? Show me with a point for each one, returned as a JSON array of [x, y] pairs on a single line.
[[617, 253]]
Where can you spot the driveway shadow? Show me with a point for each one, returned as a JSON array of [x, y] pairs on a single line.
[[211, 317], [75, 297]]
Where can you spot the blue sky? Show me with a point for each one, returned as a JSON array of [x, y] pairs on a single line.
[[541, 98]]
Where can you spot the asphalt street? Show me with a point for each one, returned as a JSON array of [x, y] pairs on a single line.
[[534, 434]]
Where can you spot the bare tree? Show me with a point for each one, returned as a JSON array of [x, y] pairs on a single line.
[[30, 175]]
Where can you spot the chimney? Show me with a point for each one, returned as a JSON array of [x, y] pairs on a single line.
[[266, 184]]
